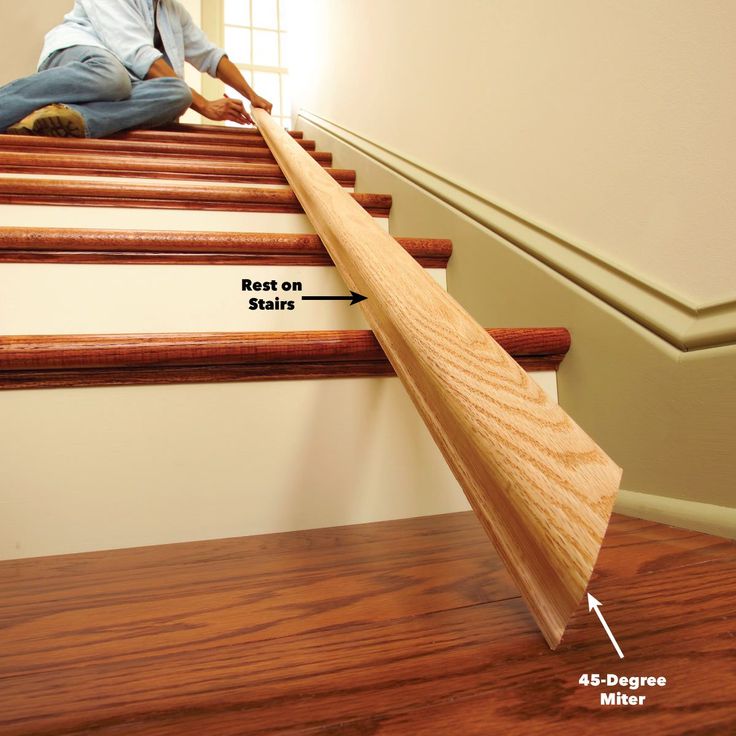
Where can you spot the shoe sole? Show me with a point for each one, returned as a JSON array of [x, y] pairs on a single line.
[[57, 126], [52, 126]]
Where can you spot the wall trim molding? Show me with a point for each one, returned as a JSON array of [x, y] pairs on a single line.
[[679, 321], [701, 517]]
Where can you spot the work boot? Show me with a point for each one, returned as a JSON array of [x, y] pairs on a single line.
[[58, 121]]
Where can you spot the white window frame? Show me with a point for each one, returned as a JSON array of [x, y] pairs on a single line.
[[283, 71]]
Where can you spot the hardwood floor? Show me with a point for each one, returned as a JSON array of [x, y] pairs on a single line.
[[401, 627]]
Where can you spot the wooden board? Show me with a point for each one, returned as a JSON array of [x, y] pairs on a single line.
[[541, 487], [399, 627]]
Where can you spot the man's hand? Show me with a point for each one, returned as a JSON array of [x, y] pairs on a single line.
[[261, 102], [225, 109], [231, 75]]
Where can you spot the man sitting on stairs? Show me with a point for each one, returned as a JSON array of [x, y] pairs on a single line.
[[118, 64]]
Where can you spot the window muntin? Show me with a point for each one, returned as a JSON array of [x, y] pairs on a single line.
[[254, 40]]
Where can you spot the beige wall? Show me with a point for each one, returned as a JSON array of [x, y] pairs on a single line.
[[21, 34], [581, 155], [610, 123]]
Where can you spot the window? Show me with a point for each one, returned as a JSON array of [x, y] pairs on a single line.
[[254, 39]]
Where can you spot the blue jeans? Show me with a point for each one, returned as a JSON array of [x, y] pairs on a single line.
[[93, 82]]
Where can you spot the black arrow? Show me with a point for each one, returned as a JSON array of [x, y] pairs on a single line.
[[354, 298]]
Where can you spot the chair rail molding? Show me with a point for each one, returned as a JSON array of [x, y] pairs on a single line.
[[683, 323]]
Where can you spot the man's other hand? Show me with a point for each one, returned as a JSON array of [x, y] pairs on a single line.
[[261, 102], [226, 109]]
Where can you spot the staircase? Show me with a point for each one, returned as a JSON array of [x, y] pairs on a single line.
[[320, 583], [164, 409]]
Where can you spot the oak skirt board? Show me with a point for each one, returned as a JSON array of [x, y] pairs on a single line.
[[400, 627], [506, 442]]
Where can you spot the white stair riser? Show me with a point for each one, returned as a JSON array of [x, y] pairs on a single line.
[[103, 468], [80, 298]]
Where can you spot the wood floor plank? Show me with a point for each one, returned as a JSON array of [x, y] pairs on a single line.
[[240, 598], [403, 627]]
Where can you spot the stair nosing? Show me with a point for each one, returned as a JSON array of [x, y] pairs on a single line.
[[148, 149], [85, 245], [17, 162], [172, 195], [226, 129], [45, 361], [196, 136]]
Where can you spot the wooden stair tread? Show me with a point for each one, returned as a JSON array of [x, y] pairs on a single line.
[[146, 148], [36, 361], [175, 136], [68, 245], [210, 196], [92, 164], [398, 627], [191, 348], [225, 129]]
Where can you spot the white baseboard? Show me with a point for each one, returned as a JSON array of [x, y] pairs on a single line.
[[701, 517]]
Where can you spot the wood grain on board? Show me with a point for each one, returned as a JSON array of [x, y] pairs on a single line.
[[542, 488]]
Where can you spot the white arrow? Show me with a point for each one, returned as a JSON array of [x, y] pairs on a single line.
[[594, 603]]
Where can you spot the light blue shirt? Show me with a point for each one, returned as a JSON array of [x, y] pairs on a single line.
[[126, 28]]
